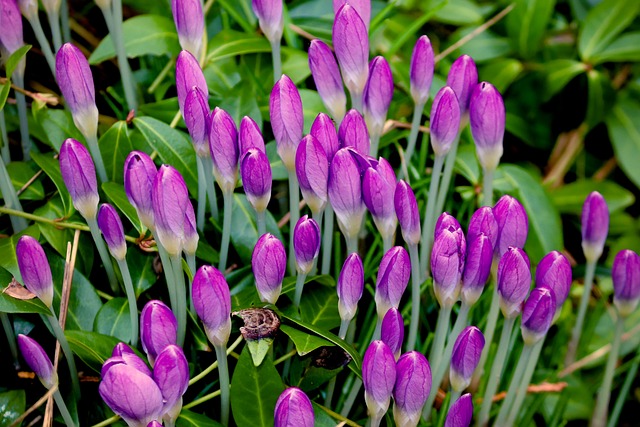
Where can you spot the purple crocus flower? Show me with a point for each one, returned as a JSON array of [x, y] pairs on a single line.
[[223, 145], [212, 302], [122, 353], [465, 357], [363, 7], [392, 331], [353, 133], [444, 221], [250, 136], [79, 176], [487, 118], [269, 263], [392, 280], [196, 117], [306, 243], [514, 281], [312, 170], [345, 192], [513, 224], [350, 286], [595, 226], [38, 360], [626, 281], [171, 374], [445, 121], [170, 198], [189, 19], [463, 78], [188, 75], [447, 264], [461, 413], [158, 328], [255, 170], [287, 119], [293, 409], [412, 388], [139, 174], [379, 377], [326, 75], [421, 70], [407, 212], [554, 272], [377, 95], [477, 268], [34, 269], [537, 314], [378, 188], [483, 221], [111, 227], [269, 13], [324, 130], [11, 24]]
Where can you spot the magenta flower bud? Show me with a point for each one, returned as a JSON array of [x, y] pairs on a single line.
[[293, 409], [255, 170], [595, 226], [461, 413], [514, 281], [379, 378], [189, 19], [38, 360], [363, 7], [378, 188], [306, 243], [345, 192], [158, 328], [79, 175], [76, 84], [421, 70], [513, 224], [537, 314], [269, 13], [445, 221], [487, 118], [392, 280], [139, 174], [324, 130], [406, 208], [34, 269], [353, 133], [211, 299], [188, 75], [350, 286], [287, 120], [465, 357], [484, 221], [122, 353], [191, 237], [170, 198], [11, 24], [626, 281], [351, 44], [477, 268], [554, 272], [111, 228], [326, 75], [154, 423], [250, 136], [171, 374], [447, 263], [269, 264], [412, 388], [463, 78], [223, 145], [196, 117], [392, 331], [445, 121], [377, 94], [312, 170]]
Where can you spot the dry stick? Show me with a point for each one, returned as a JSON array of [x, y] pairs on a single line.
[[35, 406]]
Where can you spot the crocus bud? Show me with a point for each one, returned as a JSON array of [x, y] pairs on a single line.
[[392, 280], [514, 281], [196, 117], [188, 75], [595, 226], [483, 221], [170, 198], [250, 136], [223, 145], [350, 286], [306, 243], [377, 94], [554, 272], [38, 361], [407, 212], [487, 118], [76, 83], [324, 130], [463, 78], [154, 423], [287, 120], [421, 70], [513, 224], [11, 24], [363, 7], [312, 170], [379, 377], [445, 121], [171, 374], [392, 331], [111, 228], [139, 174], [412, 388], [477, 268], [345, 192], [269, 13], [326, 75], [191, 238], [444, 221], [189, 19], [122, 353], [255, 170], [537, 314], [293, 409], [465, 357], [158, 328], [447, 263], [353, 133], [211, 299], [79, 175], [34, 269], [351, 44], [269, 263], [626, 281], [378, 188], [461, 413]]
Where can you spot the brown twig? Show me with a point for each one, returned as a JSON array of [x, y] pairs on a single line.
[[35, 406], [395, 124], [28, 183], [606, 169], [285, 218], [303, 33], [47, 98], [536, 388], [569, 144]]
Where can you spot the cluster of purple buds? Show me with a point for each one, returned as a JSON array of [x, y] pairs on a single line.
[[255, 170], [345, 192], [353, 133], [312, 170], [412, 388], [189, 76], [392, 331], [212, 302], [269, 265], [393, 278], [293, 409], [379, 378], [350, 286], [626, 281], [223, 145], [513, 225], [324, 130], [554, 272], [463, 78], [287, 119], [465, 357], [139, 175], [34, 269]]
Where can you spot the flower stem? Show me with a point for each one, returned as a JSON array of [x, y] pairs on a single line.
[[450, 161], [387, 243], [18, 78], [181, 298], [214, 365], [415, 130], [131, 297], [624, 391], [487, 187], [104, 254], [64, 20], [226, 229], [223, 374], [415, 297], [66, 416], [602, 404], [202, 194], [344, 326], [294, 215], [429, 217], [11, 198], [492, 320], [442, 327], [455, 395], [582, 311], [92, 142], [6, 155], [43, 42], [327, 239], [11, 338], [261, 222], [168, 275], [521, 393], [375, 142], [211, 188], [516, 381], [299, 286], [277, 60], [352, 244], [54, 23], [356, 101], [64, 345]]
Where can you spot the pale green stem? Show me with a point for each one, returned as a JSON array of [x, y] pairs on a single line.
[[450, 161], [223, 374], [6, 155], [582, 311], [104, 253], [66, 416], [375, 142], [18, 78], [202, 194], [492, 320], [352, 244], [277, 60], [11, 338], [415, 131], [211, 188], [429, 217], [226, 229], [624, 391], [455, 395], [131, 297], [387, 243], [11, 199], [356, 101], [45, 47], [161, 76], [602, 404], [344, 327], [516, 380], [487, 186], [294, 216], [181, 297], [214, 365], [327, 240], [261, 223], [64, 20], [442, 329], [374, 421], [299, 286], [54, 23], [524, 384], [317, 217], [92, 142], [351, 398], [168, 275], [415, 297], [64, 345]]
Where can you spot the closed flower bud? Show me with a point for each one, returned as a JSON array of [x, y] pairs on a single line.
[[537, 314], [363, 7], [79, 175], [350, 286], [514, 281], [554, 272], [345, 192], [196, 117], [158, 328], [34, 269], [351, 44], [255, 170], [188, 75], [250, 136], [379, 377], [463, 78], [421, 70], [595, 226], [445, 121], [445, 221], [154, 423], [122, 353], [513, 224], [447, 264], [483, 221], [412, 388], [189, 19], [477, 268], [37, 360], [139, 174], [170, 198], [326, 75], [287, 119], [171, 374], [306, 243], [11, 24], [293, 409], [353, 133], [461, 413], [212, 302], [626, 281], [377, 94], [223, 145], [324, 130], [111, 228], [312, 170], [465, 357], [378, 189], [407, 212], [392, 280], [392, 331], [269, 13], [191, 237], [269, 263], [487, 118]]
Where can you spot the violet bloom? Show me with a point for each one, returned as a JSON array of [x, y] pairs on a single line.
[[421, 70], [196, 117], [38, 361], [139, 174], [447, 264], [326, 75], [122, 353], [11, 24], [324, 130], [487, 118], [477, 268], [363, 7], [378, 189], [287, 119], [377, 95], [554, 272], [249, 136], [345, 192], [513, 224], [483, 221], [461, 413], [626, 281], [269, 13], [158, 328], [514, 281], [34, 269], [188, 75], [79, 176], [170, 198], [255, 170], [306, 243], [111, 227], [353, 133], [350, 286], [312, 170], [445, 221], [412, 388], [171, 374], [212, 302], [293, 409], [379, 377], [595, 226], [224, 148], [189, 19], [392, 280], [269, 263], [407, 212], [465, 357], [445, 121], [392, 331], [537, 314], [463, 78]]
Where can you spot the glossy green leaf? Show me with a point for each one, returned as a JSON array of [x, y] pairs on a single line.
[[570, 198], [625, 48], [624, 131], [241, 12], [230, 43], [57, 126], [319, 306], [91, 347], [12, 404], [141, 268], [113, 319], [526, 25], [311, 106], [55, 236], [192, 419], [115, 146], [459, 13], [8, 304], [559, 73], [305, 343], [15, 58], [241, 101], [484, 47], [116, 194], [600, 97], [51, 167], [502, 72], [21, 173], [4, 93], [259, 349], [322, 418], [8, 259], [467, 164]]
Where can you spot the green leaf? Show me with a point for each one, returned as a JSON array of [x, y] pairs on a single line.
[[322, 418], [4, 93], [241, 13], [117, 196], [603, 24], [259, 349], [141, 267], [229, 43], [600, 97], [570, 198], [15, 59], [254, 392], [467, 164], [8, 304], [305, 343], [624, 131], [295, 64], [91, 347], [8, 259], [12, 404], [319, 306], [115, 146], [113, 319], [55, 236], [143, 35], [484, 47], [559, 73], [502, 72], [51, 167], [625, 48], [311, 106], [57, 125], [245, 231], [21, 173], [526, 25], [191, 419], [459, 13]]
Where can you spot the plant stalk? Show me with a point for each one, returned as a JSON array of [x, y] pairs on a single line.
[[226, 229], [68, 354], [582, 311], [11, 199], [294, 216], [104, 253], [261, 223], [6, 154], [492, 320], [524, 384], [92, 142], [516, 380], [450, 161], [429, 217], [299, 286], [131, 297], [487, 187], [202, 194], [602, 404], [21, 101], [64, 411], [43, 42], [181, 297], [54, 23], [11, 338], [277, 60], [64, 20], [223, 374], [415, 131], [327, 239], [415, 297], [211, 188]]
